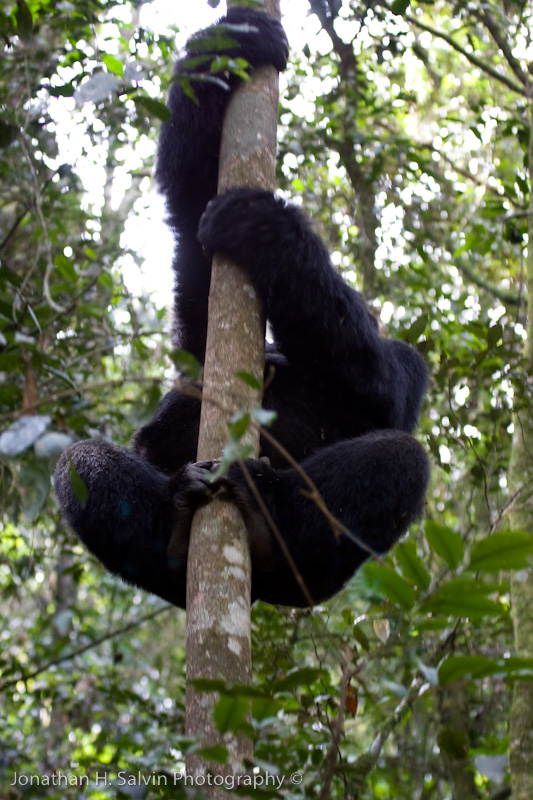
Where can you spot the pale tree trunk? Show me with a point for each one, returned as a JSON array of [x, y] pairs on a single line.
[[521, 482], [219, 572]]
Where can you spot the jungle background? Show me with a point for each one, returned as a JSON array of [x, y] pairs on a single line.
[[406, 132]]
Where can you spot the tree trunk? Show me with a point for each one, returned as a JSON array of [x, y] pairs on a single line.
[[219, 572], [521, 480], [454, 741]]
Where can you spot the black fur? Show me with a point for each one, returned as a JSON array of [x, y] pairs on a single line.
[[347, 399]]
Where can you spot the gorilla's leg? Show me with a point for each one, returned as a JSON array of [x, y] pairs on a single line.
[[124, 511], [374, 485]]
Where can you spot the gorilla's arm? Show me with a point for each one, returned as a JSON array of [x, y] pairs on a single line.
[[189, 146], [318, 321]]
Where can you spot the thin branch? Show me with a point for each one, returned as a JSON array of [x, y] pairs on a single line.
[[478, 62], [50, 266], [472, 447], [88, 387], [497, 34], [367, 761], [511, 505], [338, 730], [396, 717], [277, 533], [26, 210], [508, 298], [24, 305], [26, 676]]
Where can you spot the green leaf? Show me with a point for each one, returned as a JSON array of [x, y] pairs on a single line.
[[216, 753], [113, 64], [215, 40], [494, 334], [429, 673], [66, 268], [264, 416], [399, 6], [504, 550], [250, 380], [475, 667], [106, 280], [258, 4], [411, 564], [78, 485], [361, 638], [446, 543], [155, 108], [187, 364], [209, 685], [237, 66], [142, 411], [35, 478], [265, 708], [24, 19], [234, 450], [298, 677], [463, 598], [240, 422], [515, 667], [8, 133], [230, 714], [228, 688], [66, 90], [386, 582], [417, 329]]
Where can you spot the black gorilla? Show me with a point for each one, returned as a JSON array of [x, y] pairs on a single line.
[[346, 398]]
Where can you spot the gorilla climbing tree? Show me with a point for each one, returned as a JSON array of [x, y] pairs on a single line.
[[218, 621], [343, 476]]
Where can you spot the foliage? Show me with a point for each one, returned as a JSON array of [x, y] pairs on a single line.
[[407, 141]]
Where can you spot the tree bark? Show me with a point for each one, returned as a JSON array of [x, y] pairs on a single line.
[[521, 482], [454, 741], [218, 640]]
